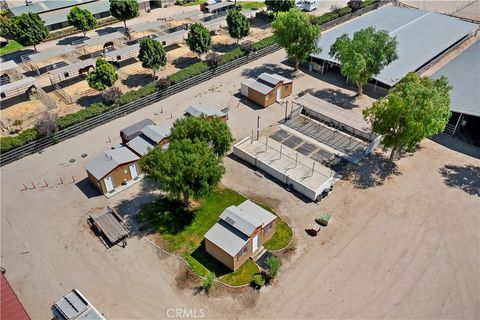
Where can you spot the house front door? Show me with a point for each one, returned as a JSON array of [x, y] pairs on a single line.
[[255, 243], [133, 170], [108, 183], [279, 93]]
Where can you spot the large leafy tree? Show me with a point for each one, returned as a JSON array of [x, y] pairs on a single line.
[[214, 132], [124, 9], [104, 76], [82, 19], [199, 39], [293, 31], [417, 107], [152, 54], [365, 55], [29, 29], [238, 25], [280, 5], [186, 169]]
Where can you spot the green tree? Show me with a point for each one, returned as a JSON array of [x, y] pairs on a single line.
[[208, 281], [199, 39], [185, 170], [214, 132], [104, 76], [124, 9], [152, 54], [238, 25], [29, 29], [364, 56], [293, 31], [82, 19], [417, 107], [5, 23], [273, 266], [280, 5]]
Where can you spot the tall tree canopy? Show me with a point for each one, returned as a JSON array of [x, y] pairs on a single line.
[[280, 5], [417, 107], [185, 170], [199, 39], [124, 9], [104, 76], [365, 55], [238, 25], [214, 132], [82, 19], [152, 54], [29, 29], [293, 31]]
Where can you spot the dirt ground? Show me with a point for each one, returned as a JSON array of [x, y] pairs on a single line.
[[469, 9], [403, 242]]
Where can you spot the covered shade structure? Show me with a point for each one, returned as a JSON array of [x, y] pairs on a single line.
[[16, 88], [100, 43], [172, 38], [124, 53], [50, 57], [145, 29], [71, 71]]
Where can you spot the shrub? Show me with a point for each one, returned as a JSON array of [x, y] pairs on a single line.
[[136, 94], [366, 3], [258, 280], [26, 136], [191, 71], [247, 46], [47, 124], [82, 115], [163, 83], [273, 266], [264, 43], [208, 281], [231, 55], [213, 59], [111, 95]]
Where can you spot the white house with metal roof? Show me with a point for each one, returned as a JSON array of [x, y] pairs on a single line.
[[239, 233]]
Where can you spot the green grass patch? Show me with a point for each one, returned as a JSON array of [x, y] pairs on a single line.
[[251, 5], [187, 3], [281, 238], [10, 47], [183, 231]]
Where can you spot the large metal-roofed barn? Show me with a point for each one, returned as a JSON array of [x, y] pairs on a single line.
[[463, 73], [422, 36]]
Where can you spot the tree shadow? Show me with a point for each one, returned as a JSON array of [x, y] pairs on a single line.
[[270, 68], [204, 258], [223, 47], [466, 178], [69, 40], [137, 79], [16, 55], [86, 101], [183, 62], [107, 30], [334, 96], [372, 171]]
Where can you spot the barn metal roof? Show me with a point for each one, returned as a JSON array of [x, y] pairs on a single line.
[[157, 133], [242, 221], [60, 16], [7, 65], [258, 86], [73, 67], [463, 74], [421, 36], [45, 6], [273, 78], [150, 25], [104, 39], [11, 308], [108, 160], [257, 212], [226, 237], [51, 53], [141, 145]]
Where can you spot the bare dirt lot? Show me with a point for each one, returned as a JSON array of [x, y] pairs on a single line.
[[403, 243]]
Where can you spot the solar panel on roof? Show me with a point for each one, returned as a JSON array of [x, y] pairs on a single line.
[[306, 148], [292, 141], [229, 220], [280, 135]]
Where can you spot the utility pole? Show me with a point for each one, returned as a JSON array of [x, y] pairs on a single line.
[[258, 127]]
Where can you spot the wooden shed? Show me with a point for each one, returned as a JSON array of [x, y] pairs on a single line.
[[112, 169], [267, 89]]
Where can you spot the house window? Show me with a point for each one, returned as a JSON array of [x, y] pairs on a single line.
[[268, 227], [242, 252]]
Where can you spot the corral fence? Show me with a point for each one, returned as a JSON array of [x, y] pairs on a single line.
[[72, 131]]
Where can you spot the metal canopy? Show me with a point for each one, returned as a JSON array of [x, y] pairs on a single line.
[[124, 53], [421, 36], [7, 65], [148, 26], [219, 6], [51, 53], [173, 37], [60, 16], [73, 67], [186, 15], [104, 39], [17, 87], [463, 74]]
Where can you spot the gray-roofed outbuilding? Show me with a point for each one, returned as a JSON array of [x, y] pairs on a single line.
[[157, 133], [104, 163], [421, 36], [141, 145], [134, 130], [51, 53], [226, 237], [199, 110]]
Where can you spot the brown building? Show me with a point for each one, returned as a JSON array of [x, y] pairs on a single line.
[[239, 233], [150, 137], [267, 89], [113, 168]]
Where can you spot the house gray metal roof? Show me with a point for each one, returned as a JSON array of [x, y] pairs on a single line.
[[226, 237], [157, 133], [7, 65], [421, 36], [73, 67], [200, 110], [134, 130], [258, 213], [60, 16], [463, 74], [273, 78], [141, 145], [74, 306], [186, 14], [258, 86], [150, 25], [104, 38], [242, 221], [104, 163], [51, 53]]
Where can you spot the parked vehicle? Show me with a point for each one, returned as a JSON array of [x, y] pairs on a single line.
[[308, 5]]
